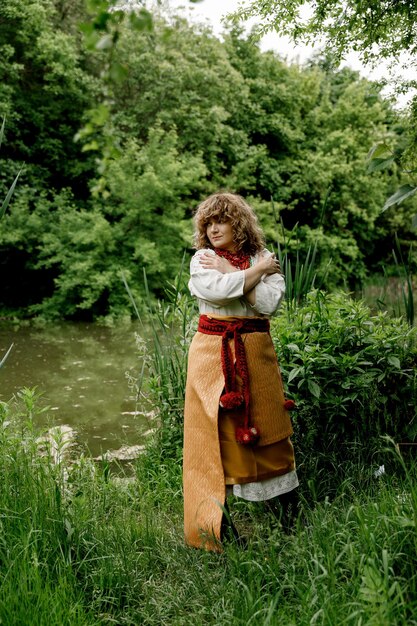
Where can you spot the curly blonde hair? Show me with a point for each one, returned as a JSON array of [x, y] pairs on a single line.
[[223, 207]]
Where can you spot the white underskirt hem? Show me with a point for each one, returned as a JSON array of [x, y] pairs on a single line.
[[264, 489]]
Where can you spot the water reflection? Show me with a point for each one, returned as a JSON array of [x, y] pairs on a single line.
[[81, 369]]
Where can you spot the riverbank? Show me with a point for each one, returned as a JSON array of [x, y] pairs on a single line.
[[81, 545]]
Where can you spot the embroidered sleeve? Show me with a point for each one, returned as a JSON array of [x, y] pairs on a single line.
[[269, 293], [213, 286]]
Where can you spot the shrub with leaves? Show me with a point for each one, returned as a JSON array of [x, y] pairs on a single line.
[[351, 373]]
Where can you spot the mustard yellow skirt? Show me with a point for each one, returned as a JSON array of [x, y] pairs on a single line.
[[246, 464]]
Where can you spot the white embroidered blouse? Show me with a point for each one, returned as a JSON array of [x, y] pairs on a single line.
[[222, 294]]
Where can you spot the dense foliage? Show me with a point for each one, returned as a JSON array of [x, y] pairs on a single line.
[[351, 373], [178, 115], [377, 30]]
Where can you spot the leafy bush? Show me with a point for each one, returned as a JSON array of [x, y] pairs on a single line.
[[351, 373]]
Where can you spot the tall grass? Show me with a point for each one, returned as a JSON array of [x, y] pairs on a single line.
[[84, 547], [300, 273], [169, 327], [10, 192], [403, 267], [3, 210], [300, 276]]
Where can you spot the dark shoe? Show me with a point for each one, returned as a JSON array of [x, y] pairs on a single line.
[[285, 509], [229, 532]]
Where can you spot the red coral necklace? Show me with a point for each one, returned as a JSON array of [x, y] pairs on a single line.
[[237, 259]]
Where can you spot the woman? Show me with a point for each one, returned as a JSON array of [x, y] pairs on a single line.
[[236, 427]]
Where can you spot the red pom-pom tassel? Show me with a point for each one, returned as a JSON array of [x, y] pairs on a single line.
[[289, 405], [247, 436], [231, 400]]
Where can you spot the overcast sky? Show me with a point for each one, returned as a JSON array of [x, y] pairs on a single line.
[[212, 11]]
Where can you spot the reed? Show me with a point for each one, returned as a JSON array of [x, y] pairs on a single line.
[[403, 268], [300, 272], [3, 209], [169, 327], [10, 192]]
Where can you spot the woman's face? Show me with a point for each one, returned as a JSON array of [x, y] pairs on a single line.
[[220, 234]]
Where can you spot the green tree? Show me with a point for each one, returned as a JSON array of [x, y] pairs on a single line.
[[312, 127], [44, 90], [139, 227], [187, 115], [179, 77], [151, 186], [376, 29]]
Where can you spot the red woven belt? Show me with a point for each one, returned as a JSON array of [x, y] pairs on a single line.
[[232, 398]]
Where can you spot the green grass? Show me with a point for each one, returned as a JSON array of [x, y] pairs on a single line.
[[80, 545]]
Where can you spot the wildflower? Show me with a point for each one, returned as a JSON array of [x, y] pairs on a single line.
[[380, 471]]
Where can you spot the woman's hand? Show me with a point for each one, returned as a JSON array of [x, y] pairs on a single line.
[[269, 264], [215, 262]]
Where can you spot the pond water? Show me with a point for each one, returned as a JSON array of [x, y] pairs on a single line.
[[82, 371]]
